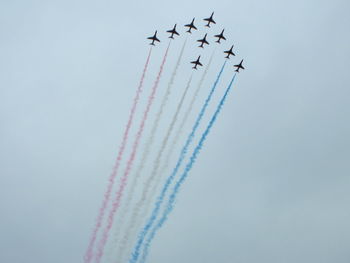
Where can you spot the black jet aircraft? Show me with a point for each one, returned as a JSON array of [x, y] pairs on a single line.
[[172, 32], [229, 52], [191, 26], [154, 38], [239, 66], [209, 20], [203, 41], [220, 36], [196, 63]]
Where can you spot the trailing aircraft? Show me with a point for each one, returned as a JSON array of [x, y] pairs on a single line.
[[196, 63]]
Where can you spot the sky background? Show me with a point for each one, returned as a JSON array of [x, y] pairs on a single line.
[[272, 182]]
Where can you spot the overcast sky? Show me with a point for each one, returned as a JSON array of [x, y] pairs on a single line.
[[272, 182]]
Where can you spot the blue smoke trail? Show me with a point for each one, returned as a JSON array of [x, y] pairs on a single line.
[[170, 204], [143, 233]]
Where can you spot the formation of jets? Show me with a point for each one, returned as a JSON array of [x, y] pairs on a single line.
[[203, 41]]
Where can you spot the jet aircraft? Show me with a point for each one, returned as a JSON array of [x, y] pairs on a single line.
[[196, 63], [220, 36], [229, 52], [191, 26], [172, 32], [203, 41], [153, 38], [209, 20], [239, 66]]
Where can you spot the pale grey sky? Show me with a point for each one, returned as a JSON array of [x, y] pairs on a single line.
[[272, 182]]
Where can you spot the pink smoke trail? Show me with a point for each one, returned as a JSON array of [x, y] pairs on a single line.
[[123, 180], [89, 252]]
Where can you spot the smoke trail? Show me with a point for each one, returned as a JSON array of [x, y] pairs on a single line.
[[184, 120], [169, 180], [172, 198], [145, 194], [176, 138], [146, 154], [89, 252], [123, 180]]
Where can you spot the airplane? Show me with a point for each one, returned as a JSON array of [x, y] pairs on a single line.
[[172, 32], [209, 20], [191, 26], [154, 38], [229, 52], [196, 62], [239, 66], [203, 41], [220, 36]]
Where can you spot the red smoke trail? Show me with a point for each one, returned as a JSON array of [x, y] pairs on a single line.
[[89, 252], [123, 180]]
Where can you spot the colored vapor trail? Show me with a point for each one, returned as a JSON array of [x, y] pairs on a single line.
[[89, 252], [144, 158], [157, 176], [147, 227], [170, 205], [145, 196], [124, 178], [185, 117]]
